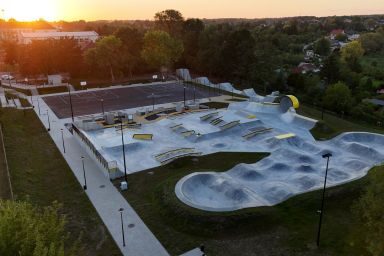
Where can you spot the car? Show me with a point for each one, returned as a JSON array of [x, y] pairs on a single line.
[[7, 77]]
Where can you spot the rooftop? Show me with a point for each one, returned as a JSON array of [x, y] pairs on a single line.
[[58, 34]]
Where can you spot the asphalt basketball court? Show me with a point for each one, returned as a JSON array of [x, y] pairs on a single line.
[[90, 102]]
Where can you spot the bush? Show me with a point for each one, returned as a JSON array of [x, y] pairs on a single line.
[[338, 98], [368, 112], [28, 230], [369, 209]]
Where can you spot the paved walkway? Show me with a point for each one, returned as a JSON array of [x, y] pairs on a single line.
[[104, 196]]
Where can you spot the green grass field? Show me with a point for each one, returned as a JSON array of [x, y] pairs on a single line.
[[376, 61], [285, 229], [40, 174], [49, 90], [332, 125]]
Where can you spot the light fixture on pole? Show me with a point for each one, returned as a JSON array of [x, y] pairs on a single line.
[[184, 96], [85, 178], [70, 102], [38, 105], [102, 106], [327, 155], [122, 224], [122, 144], [62, 138], [49, 122]]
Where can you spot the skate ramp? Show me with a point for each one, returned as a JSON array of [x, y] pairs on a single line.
[[295, 166]]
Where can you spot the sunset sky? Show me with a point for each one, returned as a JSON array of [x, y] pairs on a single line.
[[145, 9]]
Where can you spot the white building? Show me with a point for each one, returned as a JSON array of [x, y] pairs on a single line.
[[16, 34], [80, 37]]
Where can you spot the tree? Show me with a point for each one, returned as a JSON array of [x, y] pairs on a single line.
[[323, 46], [342, 37], [170, 21], [28, 230], [331, 68], [338, 98], [372, 42], [132, 43], [192, 29], [160, 50], [369, 210], [351, 54], [237, 55], [106, 54]]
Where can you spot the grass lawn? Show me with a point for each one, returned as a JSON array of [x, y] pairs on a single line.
[[285, 229], [5, 188], [25, 91], [367, 61], [40, 174], [332, 125], [49, 90], [215, 104]]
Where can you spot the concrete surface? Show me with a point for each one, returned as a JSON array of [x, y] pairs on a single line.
[[104, 196]]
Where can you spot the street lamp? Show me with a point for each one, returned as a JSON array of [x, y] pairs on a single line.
[[49, 122], [85, 178], [38, 104], [184, 96], [70, 102], [194, 93], [102, 106], [122, 224], [62, 138], [122, 143], [327, 155]]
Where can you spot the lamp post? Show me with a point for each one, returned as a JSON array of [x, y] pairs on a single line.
[[85, 178], [49, 122], [122, 144], [122, 224], [153, 102], [184, 96], [62, 138], [327, 155], [102, 106], [38, 104], [70, 102], [194, 93]]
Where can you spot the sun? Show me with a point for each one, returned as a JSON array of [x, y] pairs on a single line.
[[29, 10]]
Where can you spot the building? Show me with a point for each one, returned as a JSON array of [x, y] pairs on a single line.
[[334, 33], [82, 37], [12, 30], [304, 68]]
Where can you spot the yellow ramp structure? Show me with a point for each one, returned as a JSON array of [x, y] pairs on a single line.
[[285, 136], [143, 136], [294, 100]]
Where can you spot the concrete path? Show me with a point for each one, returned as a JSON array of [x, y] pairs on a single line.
[[104, 196]]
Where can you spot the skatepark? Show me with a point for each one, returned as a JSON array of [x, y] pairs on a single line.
[[294, 166]]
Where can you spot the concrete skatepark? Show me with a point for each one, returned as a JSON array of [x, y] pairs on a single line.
[[294, 166]]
